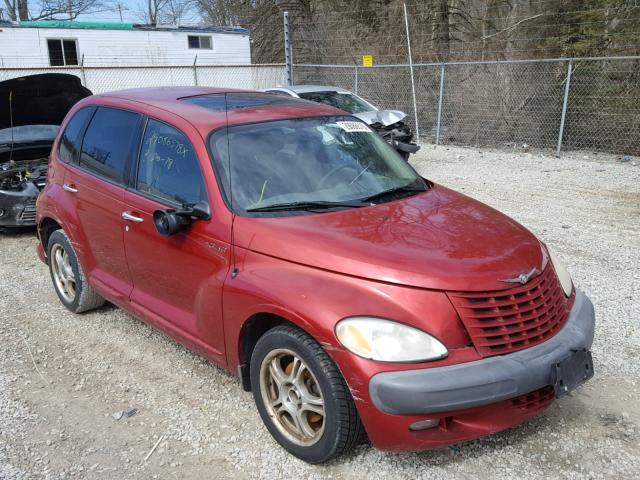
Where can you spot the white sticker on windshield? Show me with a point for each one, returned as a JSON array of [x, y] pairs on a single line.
[[353, 127]]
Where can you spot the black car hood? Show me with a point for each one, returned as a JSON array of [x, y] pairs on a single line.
[[39, 99]]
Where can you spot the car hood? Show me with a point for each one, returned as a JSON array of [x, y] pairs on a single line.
[[385, 117], [439, 239], [39, 99]]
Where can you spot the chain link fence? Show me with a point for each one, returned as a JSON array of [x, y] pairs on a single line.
[[104, 79], [505, 103], [489, 104]]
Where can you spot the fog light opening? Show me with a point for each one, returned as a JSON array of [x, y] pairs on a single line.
[[2, 212], [424, 424]]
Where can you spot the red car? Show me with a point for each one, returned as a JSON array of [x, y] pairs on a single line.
[[289, 244]]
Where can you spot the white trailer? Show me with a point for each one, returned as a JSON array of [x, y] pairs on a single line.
[[70, 43]]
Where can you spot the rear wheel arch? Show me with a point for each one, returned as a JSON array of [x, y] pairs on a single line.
[[45, 228], [68, 277]]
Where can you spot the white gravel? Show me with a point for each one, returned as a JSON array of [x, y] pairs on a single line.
[[58, 423]]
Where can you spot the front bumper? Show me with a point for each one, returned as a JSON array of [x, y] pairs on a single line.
[[18, 208], [483, 382]]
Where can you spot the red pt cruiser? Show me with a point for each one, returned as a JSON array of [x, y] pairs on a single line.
[[288, 243]]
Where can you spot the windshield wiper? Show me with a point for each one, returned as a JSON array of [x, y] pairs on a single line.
[[413, 187], [306, 205]]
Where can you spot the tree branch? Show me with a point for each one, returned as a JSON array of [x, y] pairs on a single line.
[[512, 26]]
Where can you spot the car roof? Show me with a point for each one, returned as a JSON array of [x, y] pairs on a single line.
[[311, 88], [204, 107]]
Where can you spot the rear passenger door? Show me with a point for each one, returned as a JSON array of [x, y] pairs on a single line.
[[96, 184], [178, 279]]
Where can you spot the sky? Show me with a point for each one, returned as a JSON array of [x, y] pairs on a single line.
[[131, 12]]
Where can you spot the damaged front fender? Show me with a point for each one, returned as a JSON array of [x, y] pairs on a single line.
[[389, 125]]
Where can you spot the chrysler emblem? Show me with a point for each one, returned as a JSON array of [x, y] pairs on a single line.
[[522, 278]]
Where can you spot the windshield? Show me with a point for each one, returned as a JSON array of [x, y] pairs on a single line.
[[321, 159], [344, 101], [28, 134]]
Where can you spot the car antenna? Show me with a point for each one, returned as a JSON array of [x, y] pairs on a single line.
[[11, 124], [234, 269]]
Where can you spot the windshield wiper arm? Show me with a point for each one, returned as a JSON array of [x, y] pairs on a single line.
[[410, 188], [306, 205]]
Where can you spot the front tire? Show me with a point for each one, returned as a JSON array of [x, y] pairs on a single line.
[[301, 396], [69, 280]]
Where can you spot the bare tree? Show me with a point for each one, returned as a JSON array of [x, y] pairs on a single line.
[[176, 12], [52, 9], [261, 17], [222, 12], [340, 31], [17, 9], [172, 12], [440, 35], [153, 9]]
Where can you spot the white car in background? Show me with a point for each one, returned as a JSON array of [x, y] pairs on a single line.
[[389, 124]]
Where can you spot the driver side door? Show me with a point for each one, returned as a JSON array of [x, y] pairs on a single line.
[[177, 280]]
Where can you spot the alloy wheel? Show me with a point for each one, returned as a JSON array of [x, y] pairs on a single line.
[[63, 275], [292, 397]]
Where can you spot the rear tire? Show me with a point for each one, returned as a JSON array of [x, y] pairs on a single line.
[[311, 387], [69, 280]]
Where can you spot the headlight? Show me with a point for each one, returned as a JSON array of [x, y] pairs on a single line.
[[388, 341], [563, 275]]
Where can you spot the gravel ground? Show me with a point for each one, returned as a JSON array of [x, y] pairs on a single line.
[[65, 377]]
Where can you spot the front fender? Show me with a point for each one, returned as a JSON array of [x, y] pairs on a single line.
[[315, 300]]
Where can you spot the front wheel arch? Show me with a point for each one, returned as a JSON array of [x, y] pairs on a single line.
[[252, 329]]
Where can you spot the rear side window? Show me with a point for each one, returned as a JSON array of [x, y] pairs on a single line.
[[70, 143], [108, 143], [168, 168]]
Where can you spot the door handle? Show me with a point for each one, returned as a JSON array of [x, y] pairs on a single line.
[[69, 188], [131, 218]]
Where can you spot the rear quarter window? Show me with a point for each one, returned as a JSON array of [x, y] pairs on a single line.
[[70, 143], [109, 143]]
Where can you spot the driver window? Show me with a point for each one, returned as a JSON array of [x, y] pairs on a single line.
[[168, 168]]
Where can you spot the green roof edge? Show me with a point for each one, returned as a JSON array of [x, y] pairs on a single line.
[[74, 24]]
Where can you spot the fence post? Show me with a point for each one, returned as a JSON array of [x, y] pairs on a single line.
[[84, 76], [564, 107], [440, 104], [413, 85], [355, 81], [288, 50], [195, 71]]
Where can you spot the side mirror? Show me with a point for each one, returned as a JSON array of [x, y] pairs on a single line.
[[171, 221], [200, 210]]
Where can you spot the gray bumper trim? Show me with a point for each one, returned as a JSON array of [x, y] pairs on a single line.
[[473, 384]]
